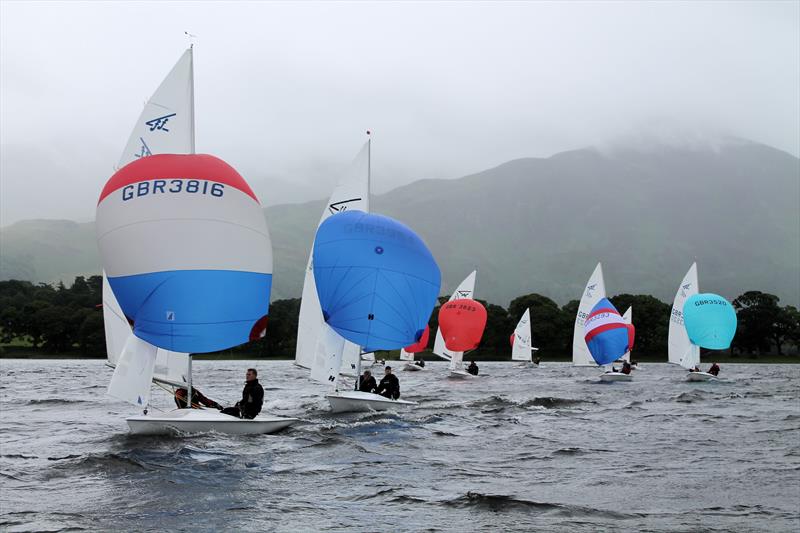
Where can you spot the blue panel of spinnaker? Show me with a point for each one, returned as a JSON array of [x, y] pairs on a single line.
[[376, 280]]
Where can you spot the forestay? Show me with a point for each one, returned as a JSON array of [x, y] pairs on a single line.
[[465, 290], [681, 351], [594, 291]]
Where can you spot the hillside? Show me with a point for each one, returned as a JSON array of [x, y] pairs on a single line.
[[540, 225]]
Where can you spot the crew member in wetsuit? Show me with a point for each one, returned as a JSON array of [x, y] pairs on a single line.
[[472, 368], [252, 398], [366, 383], [389, 386], [626, 367], [198, 399], [714, 370], [420, 363]]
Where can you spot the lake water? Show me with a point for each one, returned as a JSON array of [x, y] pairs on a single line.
[[516, 450]]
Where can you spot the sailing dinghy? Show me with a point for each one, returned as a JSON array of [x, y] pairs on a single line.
[[594, 291], [377, 283], [407, 353], [521, 348], [461, 323], [166, 126], [607, 337], [465, 290], [681, 350]]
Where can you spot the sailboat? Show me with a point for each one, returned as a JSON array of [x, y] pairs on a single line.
[[165, 126], [698, 320], [465, 289], [680, 350], [376, 283], [462, 323], [607, 337], [521, 348], [594, 291]]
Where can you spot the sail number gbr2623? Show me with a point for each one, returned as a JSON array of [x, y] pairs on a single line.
[[175, 186]]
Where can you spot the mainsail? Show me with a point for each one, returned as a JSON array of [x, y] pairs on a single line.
[[466, 289], [314, 342], [521, 349], [681, 351], [166, 125], [594, 291]]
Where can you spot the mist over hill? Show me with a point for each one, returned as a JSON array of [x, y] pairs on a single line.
[[541, 225]]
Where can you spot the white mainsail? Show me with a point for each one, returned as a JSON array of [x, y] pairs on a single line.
[[406, 356], [628, 319], [466, 289], [166, 125], [594, 291], [521, 349], [680, 348], [352, 192]]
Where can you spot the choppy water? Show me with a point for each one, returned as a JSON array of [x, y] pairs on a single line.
[[517, 450]]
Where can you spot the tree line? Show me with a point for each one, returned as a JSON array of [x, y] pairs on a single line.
[[54, 318]]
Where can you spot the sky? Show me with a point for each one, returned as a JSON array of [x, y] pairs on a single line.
[[285, 91]]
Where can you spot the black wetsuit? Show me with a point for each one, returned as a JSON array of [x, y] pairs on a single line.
[[473, 369], [250, 404], [367, 385], [389, 387]]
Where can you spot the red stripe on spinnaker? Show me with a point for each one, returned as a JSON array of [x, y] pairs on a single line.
[[600, 329], [177, 166]]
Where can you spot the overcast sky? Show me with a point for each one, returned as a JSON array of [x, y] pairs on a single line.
[[284, 92]]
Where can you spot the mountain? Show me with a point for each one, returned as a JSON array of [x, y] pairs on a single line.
[[541, 225]]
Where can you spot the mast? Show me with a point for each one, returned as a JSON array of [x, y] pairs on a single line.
[[193, 151], [369, 188], [191, 95]]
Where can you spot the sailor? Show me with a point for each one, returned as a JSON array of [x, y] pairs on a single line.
[[252, 398], [714, 370], [198, 399], [536, 361], [626, 367], [695, 369], [366, 383], [472, 368], [389, 385], [420, 363]]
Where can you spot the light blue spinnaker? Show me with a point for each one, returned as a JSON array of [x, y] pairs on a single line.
[[710, 321]]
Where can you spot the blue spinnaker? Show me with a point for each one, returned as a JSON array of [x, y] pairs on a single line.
[[606, 333], [376, 280], [710, 321]]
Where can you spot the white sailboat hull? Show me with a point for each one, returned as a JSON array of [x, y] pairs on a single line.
[[357, 401], [460, 374], [701, 376], [616, 376], [411, 367], [202, 421]]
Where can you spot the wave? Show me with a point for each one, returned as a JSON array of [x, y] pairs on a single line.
[[501, 502], [53, 401], [499, 403], [690, 397], [111, 463]]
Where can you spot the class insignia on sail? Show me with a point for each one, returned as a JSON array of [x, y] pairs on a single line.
[[187, 252]]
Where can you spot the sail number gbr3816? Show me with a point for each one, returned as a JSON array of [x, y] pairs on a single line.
[[173, 186]]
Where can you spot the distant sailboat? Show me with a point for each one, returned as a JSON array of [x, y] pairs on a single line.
[[681, 351], [461, 323], [594, 291], [466, 289], [608, 337], [521, 347]]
